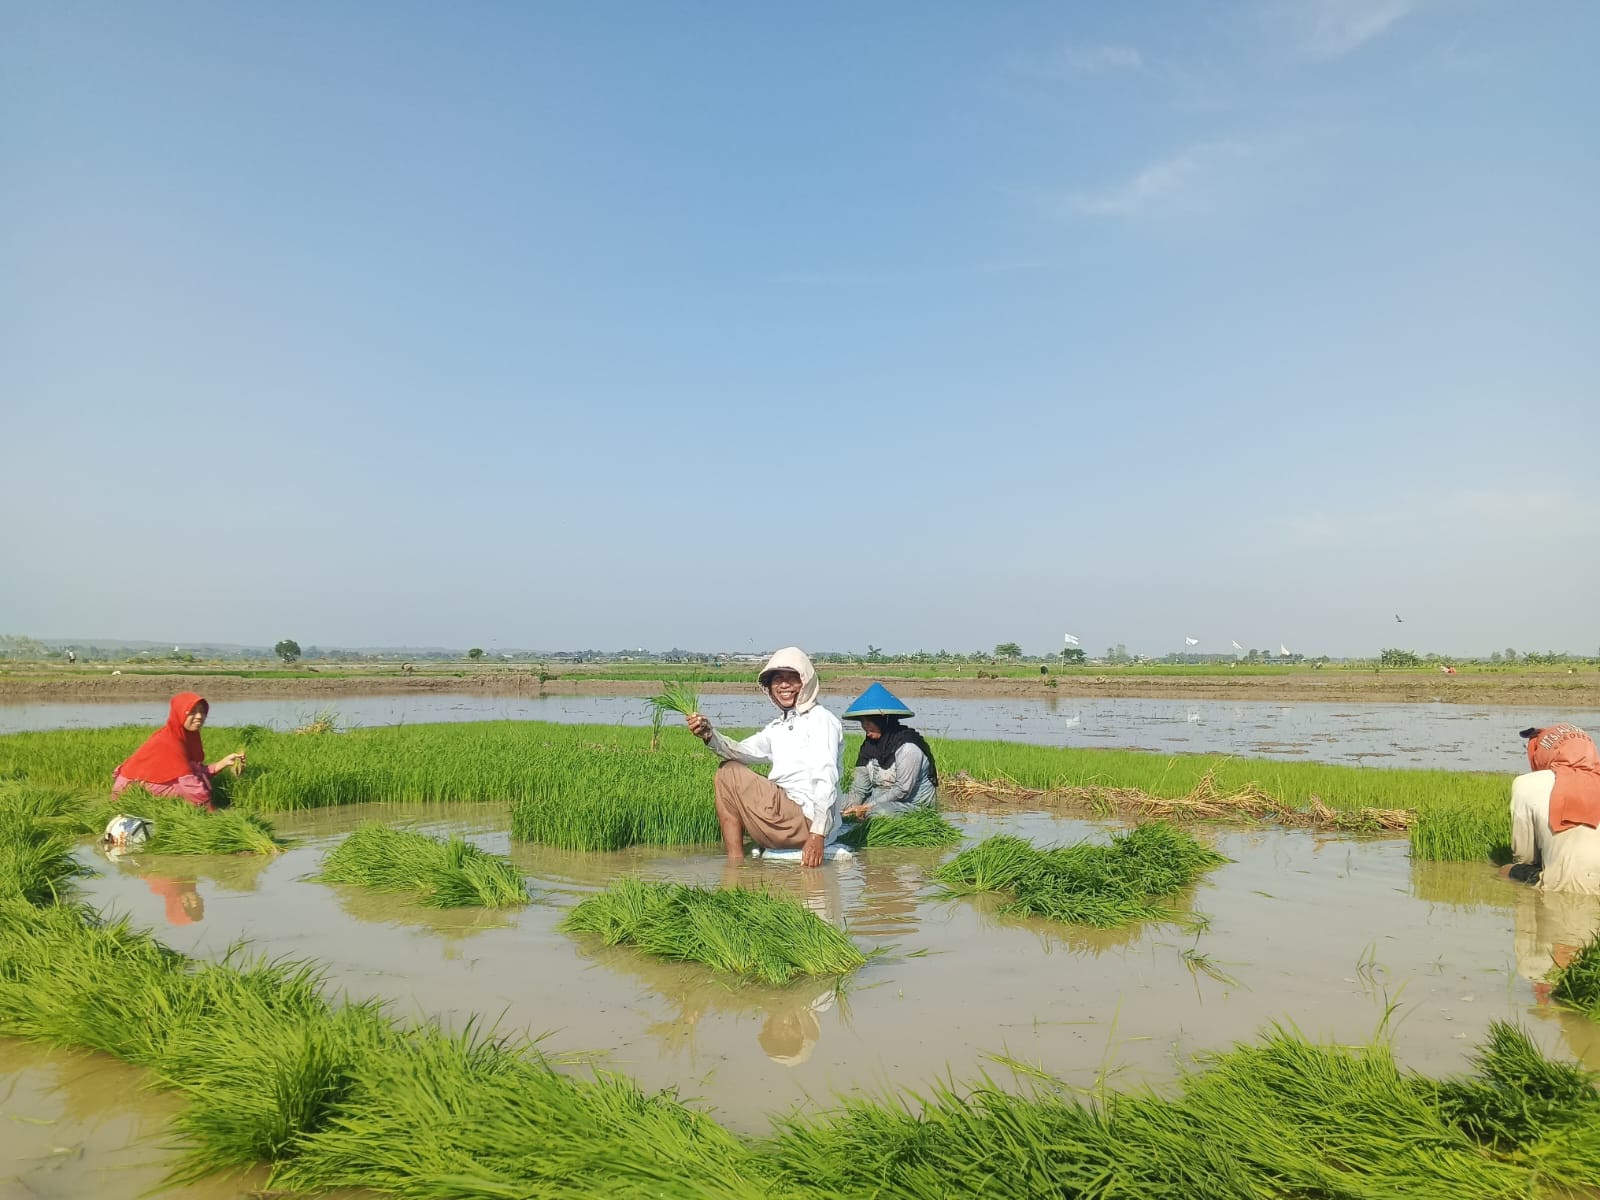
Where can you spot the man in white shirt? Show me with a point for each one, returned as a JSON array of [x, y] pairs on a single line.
[[796, 806]]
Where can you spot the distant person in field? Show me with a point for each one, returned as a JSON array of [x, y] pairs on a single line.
[[1555, 812], [172, 761], [895, 771], [796, 806]]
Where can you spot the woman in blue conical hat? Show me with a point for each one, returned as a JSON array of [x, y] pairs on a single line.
[[895, 771]]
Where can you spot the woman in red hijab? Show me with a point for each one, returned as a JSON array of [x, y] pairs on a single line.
[[172, 762]]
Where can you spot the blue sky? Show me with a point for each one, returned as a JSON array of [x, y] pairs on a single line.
[[929, 325]]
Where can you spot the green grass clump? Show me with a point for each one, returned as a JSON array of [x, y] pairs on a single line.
[[758, 935], [440, 874], [1577, 985], [1131, 879], [921, 827]]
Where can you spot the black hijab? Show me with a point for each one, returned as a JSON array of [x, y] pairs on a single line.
[[894, 736]]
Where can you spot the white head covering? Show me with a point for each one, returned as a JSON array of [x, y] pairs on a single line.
[[792, 658]]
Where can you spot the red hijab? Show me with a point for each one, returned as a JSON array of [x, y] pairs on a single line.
[[1570, 753], [170, 751]]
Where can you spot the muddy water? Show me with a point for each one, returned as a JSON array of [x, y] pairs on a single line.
[[74, 1125], [1450, 736], [1326, 932]]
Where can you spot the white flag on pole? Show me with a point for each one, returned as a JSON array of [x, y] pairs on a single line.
[[1191, 641], [1238, 647], [1283, 650], [1071, 641]]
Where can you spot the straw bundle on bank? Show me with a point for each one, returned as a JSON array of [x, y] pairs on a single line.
[[1205, 802]]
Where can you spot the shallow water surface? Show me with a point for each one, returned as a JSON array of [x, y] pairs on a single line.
[[1449, 736], [1323, 931]]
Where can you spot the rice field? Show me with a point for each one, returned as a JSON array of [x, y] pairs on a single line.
[[332, 1093], [601, 787], [1134, 878], [437, 873], [759, 936]]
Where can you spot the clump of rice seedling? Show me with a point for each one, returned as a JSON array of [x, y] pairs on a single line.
[[178, 827], [36, 862], [1464, 833], [440, 874], [921, 827], [675, 697], [1085, 884], [1577, 985], [761, 936]]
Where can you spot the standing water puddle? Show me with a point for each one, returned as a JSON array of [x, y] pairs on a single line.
[[1449, 736], [1327, 932]]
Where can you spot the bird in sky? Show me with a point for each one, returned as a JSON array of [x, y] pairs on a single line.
[[1398, 621]]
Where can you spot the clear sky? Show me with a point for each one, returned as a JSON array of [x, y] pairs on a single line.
[[925, 324]]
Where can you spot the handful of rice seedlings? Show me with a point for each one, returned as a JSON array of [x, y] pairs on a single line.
[[921, 827], [675, 697], [437, 874]]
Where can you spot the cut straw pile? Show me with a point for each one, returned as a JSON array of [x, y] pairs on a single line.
[[761, 936], [1577, 985], [1131, 879], [436, 873], [1207, 801], [921, 827]]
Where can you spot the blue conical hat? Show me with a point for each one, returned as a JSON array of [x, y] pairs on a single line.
[[877, 701]]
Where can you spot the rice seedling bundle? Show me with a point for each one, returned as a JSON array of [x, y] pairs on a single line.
[[1281, 1118], [36, 862], [1084, 884], [921, 827], [758, 935], [438, 873], [178, 827], [1577, 985], [675, 697]]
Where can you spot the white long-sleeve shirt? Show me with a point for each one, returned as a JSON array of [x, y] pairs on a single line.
[[1571, 858], [806, 752]]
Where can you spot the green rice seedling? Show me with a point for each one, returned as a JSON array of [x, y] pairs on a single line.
[[472, 1117], [761, 936], [504, 761], [675, 697], [36, 861], [1577, 985], [921, 827], [178, 827], [1472, 831], [1085, 884], [438, 873]]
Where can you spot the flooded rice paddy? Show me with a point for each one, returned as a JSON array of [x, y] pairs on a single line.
[[1328, 932], [1446, 736]]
